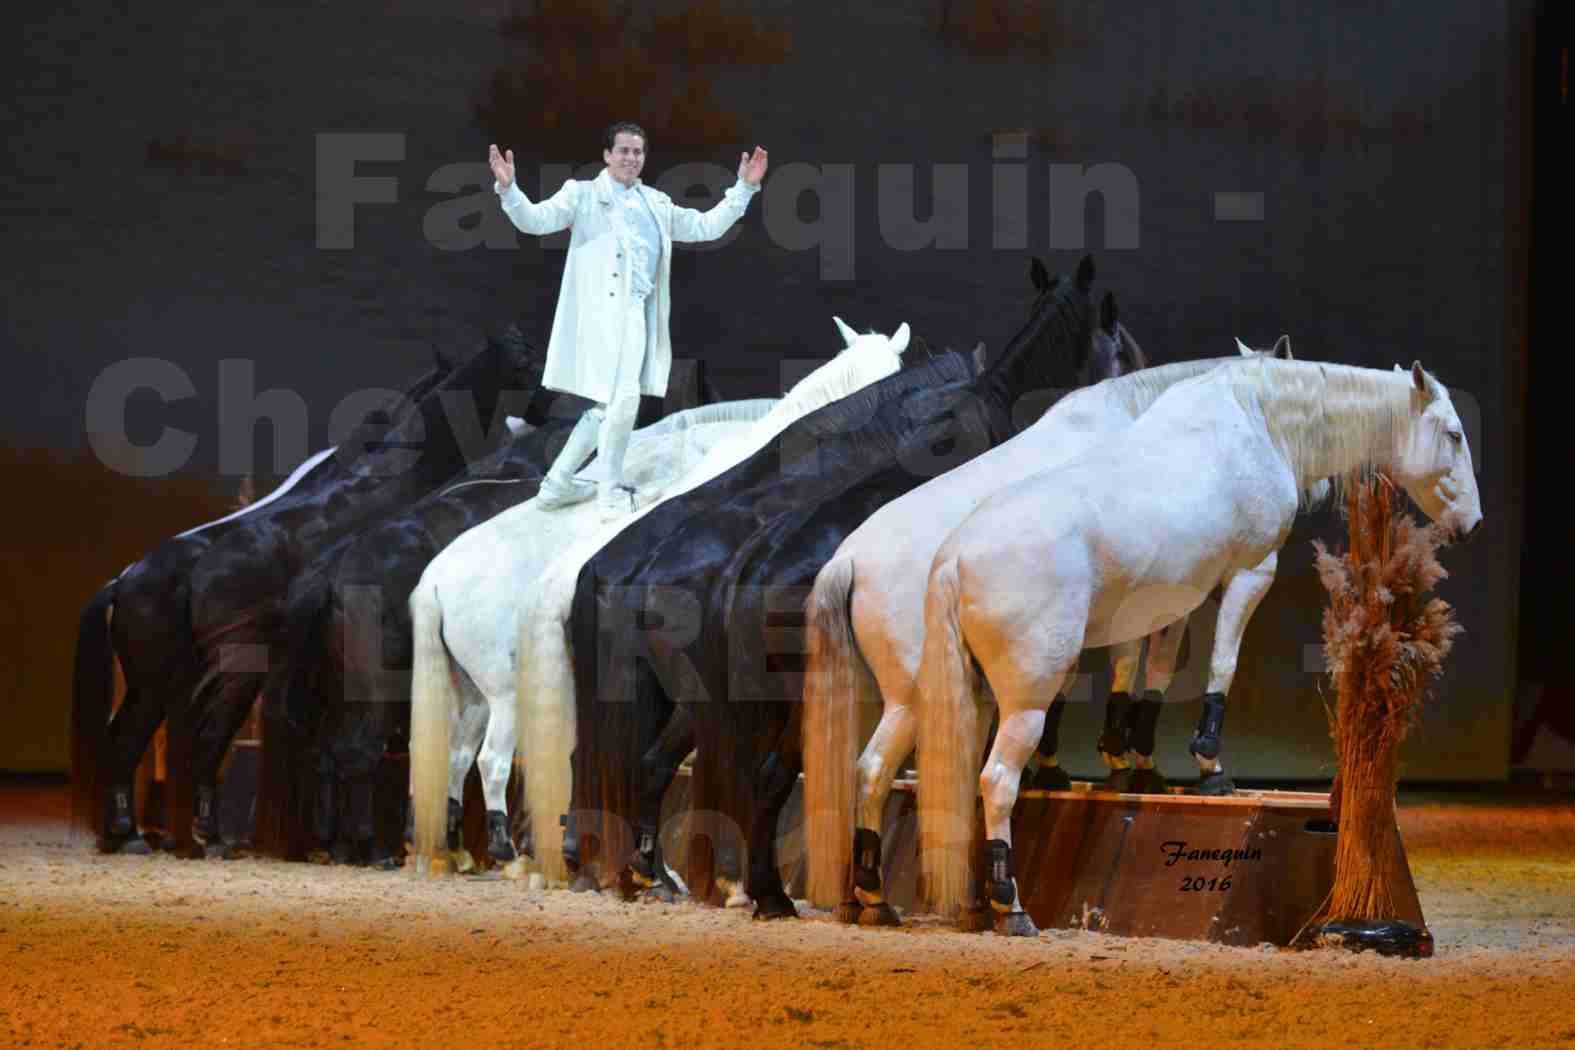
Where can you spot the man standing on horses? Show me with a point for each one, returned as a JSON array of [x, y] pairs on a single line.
[[609, 334]]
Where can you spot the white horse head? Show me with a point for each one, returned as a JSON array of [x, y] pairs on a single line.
[[1433, 463], [1112, 350], [1280, 352]]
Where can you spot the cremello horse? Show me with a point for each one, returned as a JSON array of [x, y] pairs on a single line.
[[489, 649], [463, 612], [865, 632], [1200, 491]]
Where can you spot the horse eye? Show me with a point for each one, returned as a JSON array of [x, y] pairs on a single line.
[[1455, 436]]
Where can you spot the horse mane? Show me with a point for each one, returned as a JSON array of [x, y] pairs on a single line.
[[1319, 413], [860, 411], [1136, 391]]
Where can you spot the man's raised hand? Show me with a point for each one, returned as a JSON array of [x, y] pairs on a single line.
[[752, 168], [502, 166]]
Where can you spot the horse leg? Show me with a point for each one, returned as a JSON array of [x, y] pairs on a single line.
[[130, 732], [659, 767], [1243, 591], [774, 783], [467, 731], [1164, 645], [891, 742], [1019, 689], [224, 705], [1049, 776], [1125, 659], [495, 761], [358, 752]]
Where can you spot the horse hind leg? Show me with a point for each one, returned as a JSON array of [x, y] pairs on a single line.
[[892, 741], [1019, 692], [495, 761]]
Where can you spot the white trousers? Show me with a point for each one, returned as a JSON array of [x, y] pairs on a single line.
[[610, 424]]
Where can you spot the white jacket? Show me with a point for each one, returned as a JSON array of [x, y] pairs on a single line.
[[582, 352]]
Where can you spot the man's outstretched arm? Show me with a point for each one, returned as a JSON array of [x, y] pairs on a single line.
[[551, 215], [691, 225]]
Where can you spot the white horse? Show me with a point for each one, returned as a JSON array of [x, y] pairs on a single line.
[[1200, 491], [500, 580], [463, 613], [865, 631], [546, 671]]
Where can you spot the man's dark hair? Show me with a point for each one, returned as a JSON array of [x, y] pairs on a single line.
[[624, 127]]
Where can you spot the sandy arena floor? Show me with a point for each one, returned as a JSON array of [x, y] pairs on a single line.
[[153, 952]]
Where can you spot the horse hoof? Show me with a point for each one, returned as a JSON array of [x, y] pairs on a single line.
[[129, 845], [535, 882], [848, 912], [235, 852], [193, 852], [975, 920], [774, 908], [1216, 783], [319, 856], [1016, 924], [1051, 778], [1148, 782], [440, 866], [516, 869], [464, 863], [662, 894], [881, 914], [387, 864], [583, 884]]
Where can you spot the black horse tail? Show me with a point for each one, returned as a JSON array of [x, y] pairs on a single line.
[[92, 697], [291, 713]]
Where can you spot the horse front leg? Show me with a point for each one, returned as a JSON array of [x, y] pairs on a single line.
[[1164, 646], [1125, 660], [1243, 592]]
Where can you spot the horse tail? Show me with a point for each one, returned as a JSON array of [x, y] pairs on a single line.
[[836, 682], [92, 696], [291, 716], [544, 691], [434, 702], [947, 765]]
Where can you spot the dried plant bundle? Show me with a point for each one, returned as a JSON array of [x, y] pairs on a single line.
[[1385, 642]]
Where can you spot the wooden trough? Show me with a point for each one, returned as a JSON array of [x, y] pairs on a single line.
[[1244, 869]]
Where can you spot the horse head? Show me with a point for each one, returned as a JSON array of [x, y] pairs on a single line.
[[1112, 350], [1433, 461]]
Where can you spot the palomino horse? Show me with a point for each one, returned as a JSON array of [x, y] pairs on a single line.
[[505, 573], [1200, 491], [135, 618], [865, 632], [461, 688]]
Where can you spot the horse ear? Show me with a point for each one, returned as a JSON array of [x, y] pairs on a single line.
[[899, 340], [1422, 380], [1107, 312], [1282, 348], [1243, 348], [848, 334], [979, 357], [1040, 275], [1085, 273]]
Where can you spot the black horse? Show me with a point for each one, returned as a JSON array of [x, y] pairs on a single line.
[[342, 699], [232, 620], [614, 615], [134, 619], [744, 597]]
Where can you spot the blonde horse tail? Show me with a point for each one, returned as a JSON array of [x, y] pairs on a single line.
[[433, 701], [544, 690], [948, 765], [837, 682]]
